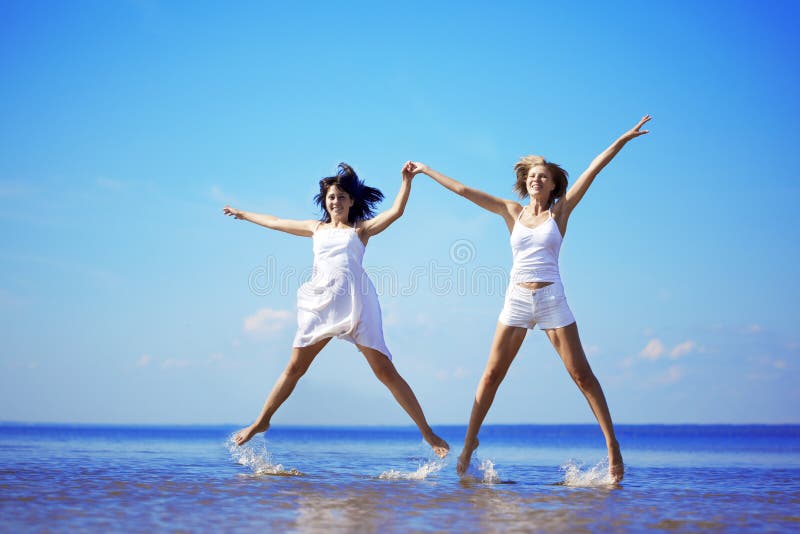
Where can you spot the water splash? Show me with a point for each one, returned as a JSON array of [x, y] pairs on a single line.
[[482, 471], [258, 461], [490, 475], [421, 473], [577, 474]]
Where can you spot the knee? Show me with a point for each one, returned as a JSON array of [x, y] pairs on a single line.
[[385, 372], [583, 377], [295, 370], [492, 377]]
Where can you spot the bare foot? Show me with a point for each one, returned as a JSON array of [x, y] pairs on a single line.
[[439, 446], [246, 434], [616, 468], [466, 457]]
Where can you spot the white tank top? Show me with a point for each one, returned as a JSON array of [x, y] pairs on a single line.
[[535, 251], [337, 251]]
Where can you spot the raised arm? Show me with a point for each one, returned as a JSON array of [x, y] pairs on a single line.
[[576, 192], [290, 226], [383, 220], [507, 209]]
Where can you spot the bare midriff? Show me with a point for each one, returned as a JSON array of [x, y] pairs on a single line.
[[533, 286]]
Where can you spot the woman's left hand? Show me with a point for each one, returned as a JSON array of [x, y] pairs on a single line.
[[636, 131], [410, 169]]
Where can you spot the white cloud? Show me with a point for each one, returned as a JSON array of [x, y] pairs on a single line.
[[390, 319], [8, 299], [218, 195], [22, 365], [653, 350], [780, 364], [267, 322], [682, 349], [144, 360], [459, 373], [671, 376], [221, 361], [593, 350], [753, 329], [110, 184], [175, 363], [16, 189]]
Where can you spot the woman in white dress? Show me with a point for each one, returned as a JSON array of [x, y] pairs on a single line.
[[340, 300], [535, 295]]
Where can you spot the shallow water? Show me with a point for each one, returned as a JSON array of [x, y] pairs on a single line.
[[532, 478]]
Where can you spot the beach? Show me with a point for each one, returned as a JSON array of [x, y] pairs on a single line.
[[365, 479]]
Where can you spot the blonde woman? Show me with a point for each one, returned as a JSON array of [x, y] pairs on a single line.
[[535, 295]]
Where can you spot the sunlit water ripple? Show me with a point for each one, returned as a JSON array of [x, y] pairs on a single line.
[[532, 478]]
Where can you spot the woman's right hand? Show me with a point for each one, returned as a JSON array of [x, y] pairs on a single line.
[[416, 167], [227, 210]]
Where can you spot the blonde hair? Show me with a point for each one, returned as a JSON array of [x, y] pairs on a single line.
[[526, 163]]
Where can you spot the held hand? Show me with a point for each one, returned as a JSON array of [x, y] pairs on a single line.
[[636, 131], [411, 169], [415, 167], [407, 172], [227, 210]]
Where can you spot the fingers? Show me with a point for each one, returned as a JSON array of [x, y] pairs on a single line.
[[416, 167], [413, 168], [227, 210], [645, 119]]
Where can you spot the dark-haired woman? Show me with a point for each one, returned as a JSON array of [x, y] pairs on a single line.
[[535, 294], [340, 300]]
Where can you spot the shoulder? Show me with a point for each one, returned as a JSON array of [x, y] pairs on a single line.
[[361, 230], [511, 213], [562, 209], [514, 208]]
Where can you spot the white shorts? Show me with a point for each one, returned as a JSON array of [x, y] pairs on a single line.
[[546, 307]]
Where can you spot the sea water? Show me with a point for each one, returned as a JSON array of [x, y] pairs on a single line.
[[523, 478]]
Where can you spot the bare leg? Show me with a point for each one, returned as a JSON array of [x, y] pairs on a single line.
[[568, 344], [298, 364], [506, 344], [386, 372]]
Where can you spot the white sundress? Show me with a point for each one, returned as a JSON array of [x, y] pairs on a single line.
[[340, 299]]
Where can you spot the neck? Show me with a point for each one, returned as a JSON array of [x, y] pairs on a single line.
[[339, 221], [538, 205]]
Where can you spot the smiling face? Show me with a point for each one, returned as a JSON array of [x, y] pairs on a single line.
[[338, 203], [540, 182]]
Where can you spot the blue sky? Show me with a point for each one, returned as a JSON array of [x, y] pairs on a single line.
[[127, 297]]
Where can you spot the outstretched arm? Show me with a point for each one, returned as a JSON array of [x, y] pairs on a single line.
[[508, 209], [576, 192], [383, 220], [290, 226]]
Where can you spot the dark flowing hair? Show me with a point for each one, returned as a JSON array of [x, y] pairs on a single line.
[[365, 198]]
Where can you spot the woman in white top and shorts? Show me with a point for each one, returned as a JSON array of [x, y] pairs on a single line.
[[340, 300], [535, 295]]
